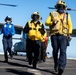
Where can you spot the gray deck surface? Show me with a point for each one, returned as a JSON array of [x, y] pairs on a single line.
[[19, 66]]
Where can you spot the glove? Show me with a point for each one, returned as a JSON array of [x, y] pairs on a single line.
[[25, 36], [69, 37], [55, 22]]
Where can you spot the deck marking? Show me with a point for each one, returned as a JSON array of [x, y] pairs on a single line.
[[34, 71]]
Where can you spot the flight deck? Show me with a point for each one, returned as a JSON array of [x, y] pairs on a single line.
[[19, 66]]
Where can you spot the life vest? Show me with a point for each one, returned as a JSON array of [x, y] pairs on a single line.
[[44, 36], [61, 27], [34, 33]]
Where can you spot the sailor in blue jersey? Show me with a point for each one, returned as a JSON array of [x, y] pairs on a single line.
[[8, 31]]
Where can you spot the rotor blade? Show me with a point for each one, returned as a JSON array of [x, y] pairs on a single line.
[[66, 9], [8, 5], [51, 8], [71, 9]]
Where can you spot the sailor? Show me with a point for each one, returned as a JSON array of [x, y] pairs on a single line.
[[8, 31], [60, 25], [34, 29]]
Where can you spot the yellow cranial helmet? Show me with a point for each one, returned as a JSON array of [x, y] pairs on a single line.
[[36, 16], [60, 2], [36, 13]]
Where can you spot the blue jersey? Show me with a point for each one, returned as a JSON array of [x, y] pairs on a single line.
[[8, 29]]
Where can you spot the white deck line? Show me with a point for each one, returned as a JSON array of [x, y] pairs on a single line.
[[72, 58]]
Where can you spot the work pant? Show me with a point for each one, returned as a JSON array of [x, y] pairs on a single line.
[[59, 42], [43, 51], [7, 45], [32, 49]]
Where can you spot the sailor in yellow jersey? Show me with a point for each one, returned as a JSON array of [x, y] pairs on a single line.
[[60, 25], [43, 47], [34, 30]]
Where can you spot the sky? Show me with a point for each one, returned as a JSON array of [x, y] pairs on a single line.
[[22, 13]]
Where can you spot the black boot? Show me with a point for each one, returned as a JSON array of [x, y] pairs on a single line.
[[34, 64], [6, 60], [6, 57], [60, 71]]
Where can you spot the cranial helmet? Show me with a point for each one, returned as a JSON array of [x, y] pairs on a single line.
[[35, 16], [36, 13], [8, 18], [60, 3]]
